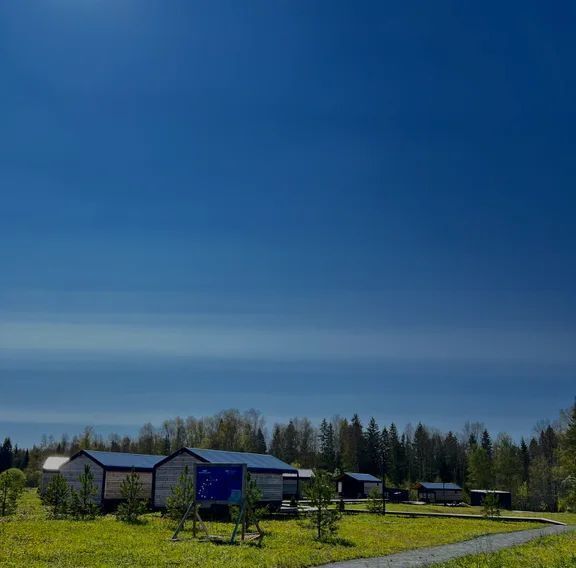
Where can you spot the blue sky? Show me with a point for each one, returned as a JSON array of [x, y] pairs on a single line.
[[308, 208]]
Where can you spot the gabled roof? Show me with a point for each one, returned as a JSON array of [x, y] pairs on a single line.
[[439, 485], [361, 476], [54, 463], [120, 460], [254, 462]]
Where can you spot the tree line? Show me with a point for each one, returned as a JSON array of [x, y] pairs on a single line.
[[540, 471]]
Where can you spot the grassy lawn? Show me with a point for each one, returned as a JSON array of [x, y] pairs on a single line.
[[29, 539], [568, 518], [549, 552]]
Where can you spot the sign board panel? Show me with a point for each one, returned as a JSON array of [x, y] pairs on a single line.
[[219, 483]]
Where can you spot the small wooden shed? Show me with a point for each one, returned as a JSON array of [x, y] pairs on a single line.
[[438, 492], [50, 468], [295, 483], [266, 470], [477, 497], [109, 470], [352, 485]]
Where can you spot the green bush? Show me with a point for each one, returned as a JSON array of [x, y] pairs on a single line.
[[491, 505], [133, 505], [324, 520], [12, 483], [82, 505], [181, 496], [56, 497], [375, 504]]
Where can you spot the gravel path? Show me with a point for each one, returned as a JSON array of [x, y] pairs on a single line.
[[427, 556]]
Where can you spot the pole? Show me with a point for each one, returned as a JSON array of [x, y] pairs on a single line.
[[384, 483]]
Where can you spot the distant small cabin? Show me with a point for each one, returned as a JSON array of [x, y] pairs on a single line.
[[396, 495], [109, 470], [265, 470], [477, 497], [439, 492], [295, 484], [351, 485], [50, 468]]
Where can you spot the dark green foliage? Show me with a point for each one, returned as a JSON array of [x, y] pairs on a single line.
[[56, 497], [12, 482], [491, 505], [181, 495], [82, 505], [6, 455], [375, 504], [320, 491], [132, 505], [327, 446]]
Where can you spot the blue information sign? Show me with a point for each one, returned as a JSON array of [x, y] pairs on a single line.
[[219, 483]]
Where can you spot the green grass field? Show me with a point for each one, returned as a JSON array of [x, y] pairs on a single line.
[[568, 518], [30, 539], [549, 552]]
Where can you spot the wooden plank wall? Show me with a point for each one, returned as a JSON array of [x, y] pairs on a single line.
[[114, 479], [72, 470], [167, 474]]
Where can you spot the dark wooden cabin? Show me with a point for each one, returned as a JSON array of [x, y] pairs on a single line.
[[477, 497], [352, 485], [439, 492]]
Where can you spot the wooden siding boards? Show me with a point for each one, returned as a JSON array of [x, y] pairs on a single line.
[[114, 479], [72, 470], [166, 475]]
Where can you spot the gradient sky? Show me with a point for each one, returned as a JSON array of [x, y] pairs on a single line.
[[304, 207]]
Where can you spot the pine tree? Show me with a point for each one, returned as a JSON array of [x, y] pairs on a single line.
[[12, 483], [290, 443], [260, 442], [181, 495], [82, 505], [327, 447], [373, 454], [133, 505], [6, 455], [486, 443], [320, 492], [56, 497]]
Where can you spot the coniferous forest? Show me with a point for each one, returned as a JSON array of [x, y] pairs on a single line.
[[539, 470]]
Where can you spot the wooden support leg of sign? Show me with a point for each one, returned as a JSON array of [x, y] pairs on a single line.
[[180, 526]]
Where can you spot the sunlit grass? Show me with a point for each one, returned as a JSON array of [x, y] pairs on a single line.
[[548, 552], [30, 539]]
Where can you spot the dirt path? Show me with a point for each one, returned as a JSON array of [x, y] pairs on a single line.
[[426, 556]]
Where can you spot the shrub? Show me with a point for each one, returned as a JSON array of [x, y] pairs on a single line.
[[252, 513], [12, 482], [133, 505], [375, 504], [491, 505], [56, 497]]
